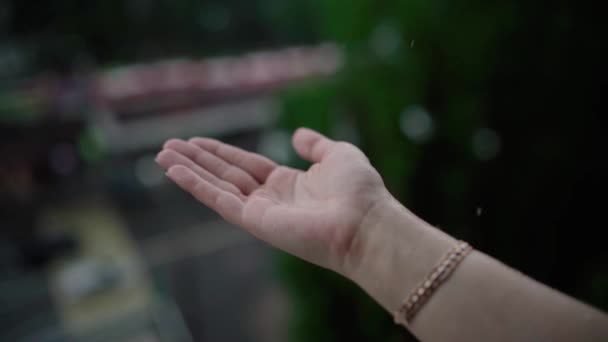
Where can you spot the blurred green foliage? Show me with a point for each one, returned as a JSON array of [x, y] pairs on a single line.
[[504, 67]]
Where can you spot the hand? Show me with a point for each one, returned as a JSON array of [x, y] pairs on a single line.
[[316, 215]]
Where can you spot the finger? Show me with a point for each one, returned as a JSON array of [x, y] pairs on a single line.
[[226, 204], [311, 145], [168, 158], [256, 165], [217, 166]]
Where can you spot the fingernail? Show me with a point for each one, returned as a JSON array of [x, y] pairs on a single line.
[[171, 174], [177, 173], [157, 158]]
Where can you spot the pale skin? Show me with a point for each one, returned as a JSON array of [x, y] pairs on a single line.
[[339, 215]]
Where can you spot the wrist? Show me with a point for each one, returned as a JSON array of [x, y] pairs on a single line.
[[393, 252]]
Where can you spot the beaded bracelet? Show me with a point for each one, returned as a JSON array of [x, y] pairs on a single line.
[[425, 290]]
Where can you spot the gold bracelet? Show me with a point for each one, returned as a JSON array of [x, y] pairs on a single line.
[[412, 304]]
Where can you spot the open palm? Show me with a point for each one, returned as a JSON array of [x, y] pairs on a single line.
[[315, 214]]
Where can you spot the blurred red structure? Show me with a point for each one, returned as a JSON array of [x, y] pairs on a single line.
[[174, 85]]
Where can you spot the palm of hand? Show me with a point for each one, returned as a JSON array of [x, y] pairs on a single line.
[[315, 214]]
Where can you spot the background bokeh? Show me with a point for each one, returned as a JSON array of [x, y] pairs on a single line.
[[483, 117]]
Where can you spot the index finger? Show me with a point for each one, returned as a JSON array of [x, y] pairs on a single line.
[[255, 164]]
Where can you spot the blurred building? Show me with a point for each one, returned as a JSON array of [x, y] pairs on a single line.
[[96, 245]]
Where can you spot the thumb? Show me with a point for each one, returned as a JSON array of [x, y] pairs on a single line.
[[311, 145]]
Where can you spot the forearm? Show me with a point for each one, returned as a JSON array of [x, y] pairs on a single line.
[[482, 300]]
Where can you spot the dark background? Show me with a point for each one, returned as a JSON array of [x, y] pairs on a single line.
[[483, 117]]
